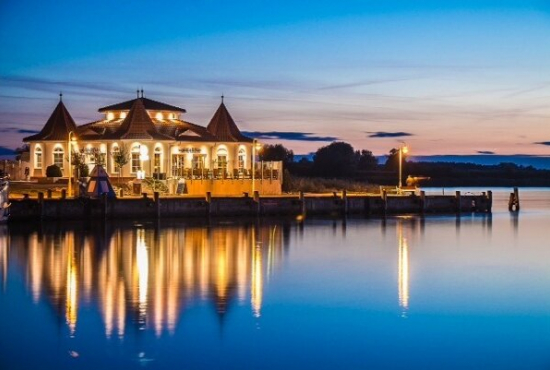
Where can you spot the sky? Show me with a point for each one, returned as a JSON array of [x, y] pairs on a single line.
[[446, 77]]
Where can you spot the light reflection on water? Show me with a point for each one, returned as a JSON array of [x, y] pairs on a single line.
[[450, 292]]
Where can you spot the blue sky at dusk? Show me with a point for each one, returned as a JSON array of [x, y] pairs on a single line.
[[447, 77]]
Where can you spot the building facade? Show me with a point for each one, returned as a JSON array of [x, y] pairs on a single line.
[[159, 143]]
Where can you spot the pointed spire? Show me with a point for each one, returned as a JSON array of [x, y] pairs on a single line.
[[137, 93], [142, 92], [224, 128], [58, 125], [60, 96]]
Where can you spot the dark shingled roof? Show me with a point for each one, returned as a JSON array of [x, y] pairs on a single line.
[[224, 128], [147, 103], [137, 125], [57, 127]]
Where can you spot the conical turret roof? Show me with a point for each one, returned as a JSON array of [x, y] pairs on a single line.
[[138, 125], [224, 128], [57, 127]]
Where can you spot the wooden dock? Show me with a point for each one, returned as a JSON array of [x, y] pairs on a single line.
[[156, 207]]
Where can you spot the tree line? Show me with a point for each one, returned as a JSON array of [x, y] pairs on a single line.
[[339, 160]]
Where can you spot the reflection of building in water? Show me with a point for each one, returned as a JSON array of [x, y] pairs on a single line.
[[145, 278], [4, 245], [403, 268]]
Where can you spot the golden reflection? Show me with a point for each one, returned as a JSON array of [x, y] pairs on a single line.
[[403, 268], [143, 273], [136, 277], [256, 290], [4, 243], [71, 299]]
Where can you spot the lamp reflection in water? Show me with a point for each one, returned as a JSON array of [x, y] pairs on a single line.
[[143, 275], [71, 299], [403, 268], [256, 285]]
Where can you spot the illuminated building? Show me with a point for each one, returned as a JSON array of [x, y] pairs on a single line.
[[158, 140]]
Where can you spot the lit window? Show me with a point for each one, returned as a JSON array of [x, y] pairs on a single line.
[[58, 157], [123, 115], [110, 116], [136, 162], [241, 158], [38, 157], [159, 116], [116, 149], [157, 159]]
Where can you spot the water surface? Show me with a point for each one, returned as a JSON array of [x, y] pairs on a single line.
[[403, 292]]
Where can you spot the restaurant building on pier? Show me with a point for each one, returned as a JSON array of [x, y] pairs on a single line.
[[160, 144]]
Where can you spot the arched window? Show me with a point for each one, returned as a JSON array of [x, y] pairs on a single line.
[[37, 157], [136, 162], [58, 157], [221, 158], [157, 160], [241, 158], [115, 152]]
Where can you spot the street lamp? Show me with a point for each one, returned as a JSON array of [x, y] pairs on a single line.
[[403, 149], [256, 146], [70, 142]]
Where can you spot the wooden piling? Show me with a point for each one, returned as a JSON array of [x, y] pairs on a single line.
[[422, 201], [513, 201], [156, 196], [208, 203], [345, 199], [384, 201], [41, 204], [63, 194], [303, 203], [457, 200], [49, 193], [489, 201]]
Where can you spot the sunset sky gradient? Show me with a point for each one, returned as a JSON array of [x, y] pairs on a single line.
[[447, 77]]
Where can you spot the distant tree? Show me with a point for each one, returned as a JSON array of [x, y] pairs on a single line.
[[335, 160], [277, 152], [366, 160]]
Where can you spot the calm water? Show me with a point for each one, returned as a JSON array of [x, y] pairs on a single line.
[[438, 292]]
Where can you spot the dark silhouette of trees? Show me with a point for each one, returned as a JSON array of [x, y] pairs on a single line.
[[336, 160], [366, 161], [277, 152]]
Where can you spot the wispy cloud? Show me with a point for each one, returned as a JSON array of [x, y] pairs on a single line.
[[17, 130], [485, 152], [385, 134], [285, 135]]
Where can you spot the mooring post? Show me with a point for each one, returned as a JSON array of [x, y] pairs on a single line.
[[41, 204], [49, 193], [63, 194], [345, 199], [516, 197], [302, 203], [384, 201], [422, 201], [104, 205], [457, 200], [156, 196], [489, 201], [257, 201], [208, 203], [121, 192]]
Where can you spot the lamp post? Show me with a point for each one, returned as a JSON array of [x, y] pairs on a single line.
[[256, 146], [403, 149], [71, 139]]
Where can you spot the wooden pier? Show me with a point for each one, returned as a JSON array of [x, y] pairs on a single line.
[[156, 207]]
